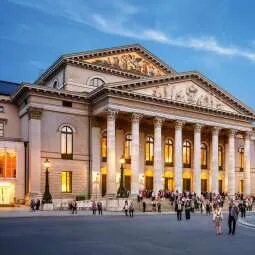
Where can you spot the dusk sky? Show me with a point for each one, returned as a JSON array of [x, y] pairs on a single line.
[[214, 37]]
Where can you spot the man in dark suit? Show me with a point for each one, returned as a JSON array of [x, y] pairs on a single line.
[[232, 217]]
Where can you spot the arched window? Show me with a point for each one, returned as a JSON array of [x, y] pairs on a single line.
[[220, 157], [203, 156], [127, 148], [96, 82], [104, 147], [168, 149], [186, 154], [66, 142], [149, 150], [241, 158]]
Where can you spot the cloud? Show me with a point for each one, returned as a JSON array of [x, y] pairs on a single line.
[[121, 21]]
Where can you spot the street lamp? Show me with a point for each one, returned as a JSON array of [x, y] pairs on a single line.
[[122, 192], [47, 198]]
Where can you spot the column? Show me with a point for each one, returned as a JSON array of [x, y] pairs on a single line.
[[231, 163], [197, 159], [95, 158], [135, 154], [247, 164], [111, 154], [215, 160], [178, 156], [158, 163], [34, 129]]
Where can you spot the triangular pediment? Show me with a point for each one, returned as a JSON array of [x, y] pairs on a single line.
[[132, 59]]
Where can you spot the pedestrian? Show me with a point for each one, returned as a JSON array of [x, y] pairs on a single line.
[[37, 205], [125, 208], [159, 207], [187, 209], [74, 207], [232, 217], [144, 206], [217, 219], [131, 210], [242, 208], [32, 205], [179, 209], [100, 208], [94, 207]]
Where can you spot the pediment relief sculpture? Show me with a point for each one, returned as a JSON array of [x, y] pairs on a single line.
[[189, 93], [131, 62]]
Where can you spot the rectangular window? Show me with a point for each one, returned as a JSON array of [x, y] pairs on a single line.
[[1, 129], [7, 165], [66, 182], [1, 108], [67, 104]]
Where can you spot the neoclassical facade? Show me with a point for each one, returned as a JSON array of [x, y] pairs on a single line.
[[176, 131]]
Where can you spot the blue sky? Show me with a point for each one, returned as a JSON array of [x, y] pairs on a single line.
[[215, 37]]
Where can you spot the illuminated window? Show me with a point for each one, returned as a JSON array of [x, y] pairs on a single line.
[[66, 181], [127, 148], [168, 152], [7, 165], [241, 158], [149, 150], [203, 156], [186, 154], [241, 186], [104, 147], [66, 143], [220, 157], [96, 82], [1, 129]]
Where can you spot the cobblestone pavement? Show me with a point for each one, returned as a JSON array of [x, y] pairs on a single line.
[[117, 234]]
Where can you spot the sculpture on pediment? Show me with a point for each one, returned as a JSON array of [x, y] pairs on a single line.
[[191, 94], [180, 96]]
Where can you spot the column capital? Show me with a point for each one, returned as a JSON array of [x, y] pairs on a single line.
[[247, 135], [215, 130], [231, 132], [197, 127], [136, 117], [158, 121], [111, 114], [34, 113], [179, 124]]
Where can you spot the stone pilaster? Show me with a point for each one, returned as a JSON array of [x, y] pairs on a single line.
[[178, 156], [247, 164], [34, 129], [215, 160], [197, 159], [135, 153], [111, 188], [231, 163], [158, 163]]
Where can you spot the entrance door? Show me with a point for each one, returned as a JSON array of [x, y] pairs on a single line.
[[186, 184], [4, 195], [149, 183], [169, 184], [103, 184], [203, 185], [220, 187], [127, 182]]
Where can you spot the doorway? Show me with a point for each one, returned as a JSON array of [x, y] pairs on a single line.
[[6, 195], [186, 183], [169, 183], [149, 182], [127, 182], [220, 187], [103, 184], [203, 185]]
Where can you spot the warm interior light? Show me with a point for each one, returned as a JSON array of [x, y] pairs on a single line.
[[122, 160], [47, 163]]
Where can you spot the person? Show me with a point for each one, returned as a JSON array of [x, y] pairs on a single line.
[[131, 210], [217, 219], [242, 208], [159, 207], [32, 205], [144, 206], [154, 205], [100, 208], [232, 217], [74, 207], [37, 205], [187, 209], [179, 209], [94, 207], [125, 208]]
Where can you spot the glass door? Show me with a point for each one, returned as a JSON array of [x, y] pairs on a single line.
[[4, 195]]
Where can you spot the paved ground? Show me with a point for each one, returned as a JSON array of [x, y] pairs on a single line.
[[158, 234]]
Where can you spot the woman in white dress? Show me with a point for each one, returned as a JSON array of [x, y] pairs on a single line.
[[217, 219]]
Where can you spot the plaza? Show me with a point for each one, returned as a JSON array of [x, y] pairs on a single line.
[[117, 234]]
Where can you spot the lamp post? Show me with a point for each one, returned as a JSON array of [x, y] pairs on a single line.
[[47, 198], [122, 192]]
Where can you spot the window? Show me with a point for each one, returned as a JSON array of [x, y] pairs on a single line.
[[66, 142], [168, 150], [1, 129], [104, 147], [55, 84], [241, 158], [186, 154], [66, 181], [96, 82], [127, 148], [1, 108], [7, 165], [67, 103], [203, 156], [149, 150], [220, 157]]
